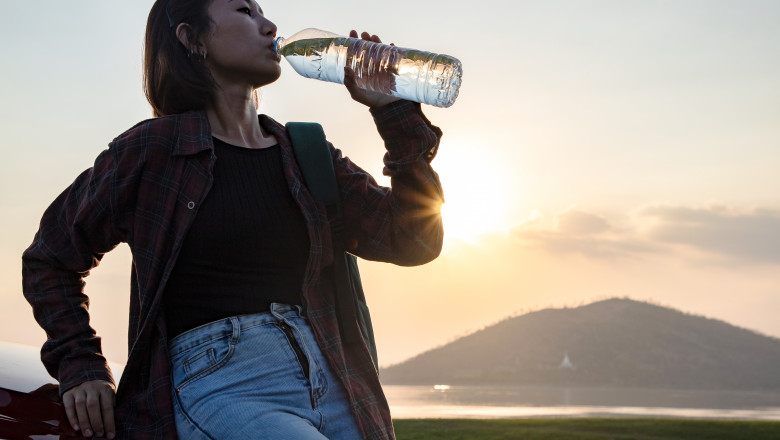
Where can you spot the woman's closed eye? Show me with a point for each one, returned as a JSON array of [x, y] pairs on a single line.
[[246, 11]]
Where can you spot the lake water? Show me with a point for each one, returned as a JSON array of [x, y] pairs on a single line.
[[410, 402]]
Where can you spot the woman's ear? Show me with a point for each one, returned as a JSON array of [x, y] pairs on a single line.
[[184, 35]]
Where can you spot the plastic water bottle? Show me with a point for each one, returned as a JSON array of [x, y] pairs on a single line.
[[406, 73]]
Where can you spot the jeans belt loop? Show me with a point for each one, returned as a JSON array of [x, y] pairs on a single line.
[[236, 330]]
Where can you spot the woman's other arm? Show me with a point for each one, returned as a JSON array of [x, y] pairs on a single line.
[[401, 224], [75, 231]]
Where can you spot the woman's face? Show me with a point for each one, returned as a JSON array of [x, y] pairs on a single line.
[[240, 44]]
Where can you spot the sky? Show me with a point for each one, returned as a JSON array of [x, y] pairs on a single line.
[[597, 149]]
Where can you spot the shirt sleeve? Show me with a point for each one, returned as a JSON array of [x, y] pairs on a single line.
[[401, 224], [75, 231]]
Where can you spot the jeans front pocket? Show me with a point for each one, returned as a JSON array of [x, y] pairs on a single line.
[[201, 361]]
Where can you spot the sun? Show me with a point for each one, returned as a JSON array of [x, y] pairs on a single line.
[[475, 191]]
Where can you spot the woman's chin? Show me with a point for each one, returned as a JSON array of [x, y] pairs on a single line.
[[267, 79]]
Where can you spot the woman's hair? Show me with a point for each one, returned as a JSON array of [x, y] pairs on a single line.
[[175, 80]]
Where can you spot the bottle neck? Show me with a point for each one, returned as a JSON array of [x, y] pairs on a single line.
[[278, 43]]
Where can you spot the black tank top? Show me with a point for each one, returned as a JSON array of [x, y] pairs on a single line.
[[248, 245]]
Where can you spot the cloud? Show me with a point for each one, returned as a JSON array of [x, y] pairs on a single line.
[[597, 247], [752, 235], [579, 232], [739, 235], [575, 222]]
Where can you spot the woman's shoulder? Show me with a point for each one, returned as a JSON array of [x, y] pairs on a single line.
[[163, 132], [146, 129], [270, 123]]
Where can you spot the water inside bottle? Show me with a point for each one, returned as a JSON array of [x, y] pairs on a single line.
[[405, 73]]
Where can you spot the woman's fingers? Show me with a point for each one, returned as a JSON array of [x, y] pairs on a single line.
[[94, 410], [82, 413], [351, 83], [90, 408], [69, 402], [365, 36], [107, 397]]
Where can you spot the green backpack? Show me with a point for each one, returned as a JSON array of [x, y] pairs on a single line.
[[313, 155]]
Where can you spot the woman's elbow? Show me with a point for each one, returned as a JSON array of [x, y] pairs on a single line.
[[423, 249]]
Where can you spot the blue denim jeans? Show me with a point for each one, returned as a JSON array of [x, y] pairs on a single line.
[[258, 376]]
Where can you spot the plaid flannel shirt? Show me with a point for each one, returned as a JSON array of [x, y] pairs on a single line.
[[145, 190]]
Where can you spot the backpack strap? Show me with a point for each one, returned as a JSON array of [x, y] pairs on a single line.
[[313, 155]]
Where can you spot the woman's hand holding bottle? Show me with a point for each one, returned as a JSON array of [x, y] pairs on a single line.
[[385, 81]]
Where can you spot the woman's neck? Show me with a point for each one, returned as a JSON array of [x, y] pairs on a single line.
[[233, 119]]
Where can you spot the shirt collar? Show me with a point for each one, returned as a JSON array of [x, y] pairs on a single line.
[[193, 134]]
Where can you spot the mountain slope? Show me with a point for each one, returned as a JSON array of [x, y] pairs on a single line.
[[616, 342]]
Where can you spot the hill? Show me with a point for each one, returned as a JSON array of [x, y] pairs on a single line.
[[616, 342]]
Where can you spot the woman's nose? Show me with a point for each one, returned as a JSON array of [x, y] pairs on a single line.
[[267, 27]]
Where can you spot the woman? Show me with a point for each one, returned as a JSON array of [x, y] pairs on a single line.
[[233, 330]]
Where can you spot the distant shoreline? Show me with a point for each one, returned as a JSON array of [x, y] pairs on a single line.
[[585, 428], [491, 402]]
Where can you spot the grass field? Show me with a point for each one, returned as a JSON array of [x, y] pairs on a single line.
[[585, 429]]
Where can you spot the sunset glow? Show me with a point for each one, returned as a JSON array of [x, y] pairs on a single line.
[[475, 191]]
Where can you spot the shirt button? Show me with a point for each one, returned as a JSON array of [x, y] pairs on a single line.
[[191, 205]]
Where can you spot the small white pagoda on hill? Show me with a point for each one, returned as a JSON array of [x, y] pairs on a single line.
[[566, 363]]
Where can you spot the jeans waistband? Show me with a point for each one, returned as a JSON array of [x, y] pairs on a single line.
[[230, 327]]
